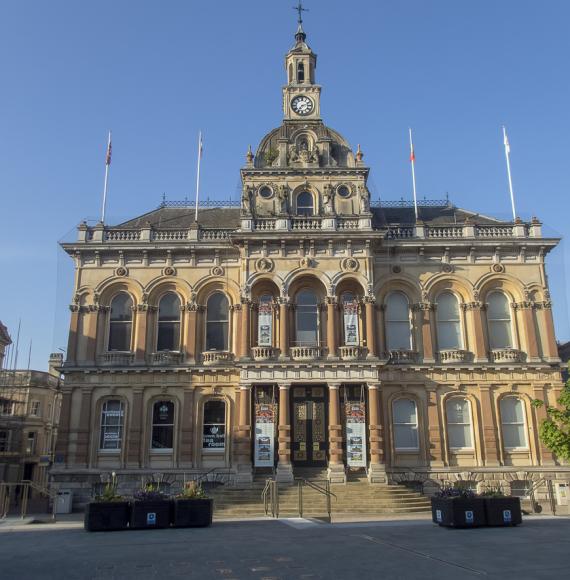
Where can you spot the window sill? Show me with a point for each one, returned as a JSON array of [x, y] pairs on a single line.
[[109, 451], [516, 449], [407, 450], [462, 450], [214, 451], [161, 451]]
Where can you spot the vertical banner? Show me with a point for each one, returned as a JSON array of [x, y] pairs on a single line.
[[355, 434], [265, 324], [350, 323], [264, 451]]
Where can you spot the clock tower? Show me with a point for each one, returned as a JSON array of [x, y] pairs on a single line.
[[301, 96]]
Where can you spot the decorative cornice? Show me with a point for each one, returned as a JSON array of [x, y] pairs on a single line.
[[476, 305], [526, 305], [423, 307]]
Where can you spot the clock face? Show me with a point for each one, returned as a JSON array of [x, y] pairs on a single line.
[[302, 105]]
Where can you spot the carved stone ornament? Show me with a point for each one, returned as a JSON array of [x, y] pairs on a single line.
[[306, 262], [218, 271], [447, 268], [264, 265], [169, 271], [349, 264], [497, 268], [121, 271], [396, 269]]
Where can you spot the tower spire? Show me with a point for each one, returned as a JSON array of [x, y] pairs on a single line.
[[300, 35]]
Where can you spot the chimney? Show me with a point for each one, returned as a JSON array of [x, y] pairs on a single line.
[[55, 363]]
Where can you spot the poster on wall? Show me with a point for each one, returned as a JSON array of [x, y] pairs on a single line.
[[351, 323], [265, 322], [214, 437], [355, 434], [264, 449]]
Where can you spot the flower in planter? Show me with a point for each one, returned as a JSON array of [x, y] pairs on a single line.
[[493, 492], [459, 491], [192, 490], [109, 492], [150, 492]]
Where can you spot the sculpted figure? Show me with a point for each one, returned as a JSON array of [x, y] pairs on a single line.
[[364, 199], [328, 199], [246, 200], [283, 197]]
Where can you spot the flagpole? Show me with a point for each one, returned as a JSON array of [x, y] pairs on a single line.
[[413, 160], [508, 157], [198, 175], [107, 165]]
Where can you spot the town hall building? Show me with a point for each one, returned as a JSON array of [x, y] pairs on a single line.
[[309, 327]]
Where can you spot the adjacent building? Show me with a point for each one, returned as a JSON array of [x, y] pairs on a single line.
[[5, 342], [309, 326]]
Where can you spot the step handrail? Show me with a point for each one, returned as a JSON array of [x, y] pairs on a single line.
[[21, 491], [270, 497], [326, 491]]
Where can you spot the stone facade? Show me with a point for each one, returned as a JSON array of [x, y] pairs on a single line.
[[309, 297]]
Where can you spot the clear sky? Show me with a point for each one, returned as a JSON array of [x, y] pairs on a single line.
[[157, 72]]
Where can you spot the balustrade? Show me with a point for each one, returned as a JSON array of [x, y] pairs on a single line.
[[353, 352], [262, 353], [165, 358], [169, 235], [507, 355], [445, 232], [494, 231], [306, 353], [453, 355], [116, 358], [265, 224], [122, 235], [306, 223], [215, 357], [402, 356]]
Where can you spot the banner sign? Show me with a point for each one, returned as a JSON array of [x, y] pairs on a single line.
[[265, 324], [350, 323], [214, 437], [355, 434], [264, 453]]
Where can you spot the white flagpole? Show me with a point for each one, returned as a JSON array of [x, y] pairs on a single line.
[[413, 160], [508, 157], [107, 165], [198, 174]]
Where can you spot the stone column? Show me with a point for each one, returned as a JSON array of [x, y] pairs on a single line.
[[134, 440], [369, 305], [490, 426], [244, 465], [526, 311], [381, 330], [423, 318], [190, 331], [94, 328], [187, 428], [545, 455], [332, 342], [143, 312], [476, 338], [284, 466], [283, 328], [435, 457], [335, 471], [84, 428], [377, 468], [244, 351], [550, 348], [62, 442], [73, 338]]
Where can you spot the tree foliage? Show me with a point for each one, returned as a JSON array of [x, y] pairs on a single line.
[[555, 429]]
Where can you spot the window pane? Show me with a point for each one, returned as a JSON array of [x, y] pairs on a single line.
[[217, 307], [112, 415], [162, 436], [120, 336], [448, 321], [404, 411], [458, 411], [217, 336], [307, 318], [168, 336], [163, 425], [214, 431], [513, 436], [399, 337], [305, 204], [500, 334], [163, 412], [511, 410], [121, 307], [459, 436], [449, 335], [406, 436], [169, 308], [215, 412], [397, 307], [498, 306]]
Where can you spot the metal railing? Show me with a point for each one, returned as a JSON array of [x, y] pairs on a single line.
[[323, 490], [18, 495], [270, 498]]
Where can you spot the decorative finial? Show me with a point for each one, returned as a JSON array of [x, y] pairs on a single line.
[[299, 8], [300, 35], [359, 154], [249, 155]]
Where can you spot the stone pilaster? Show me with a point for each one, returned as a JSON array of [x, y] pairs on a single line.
[[245, 331], [424, 322], [377, 468], [284, 466], [546, 456], [84, 428], [332, 342], [283, 328], [62, 443], [369, 309], [476, 337], [490, 423], [435, 456], [134, 440], [335, 470], [244, 464]]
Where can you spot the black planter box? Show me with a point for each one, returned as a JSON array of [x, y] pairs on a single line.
[[150, 514], [192, 513], [106, 516], [503, 511], [458, 512]]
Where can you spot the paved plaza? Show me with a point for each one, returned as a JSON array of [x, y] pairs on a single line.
[[296, 549]]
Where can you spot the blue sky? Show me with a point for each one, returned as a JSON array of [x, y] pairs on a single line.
[[157, 72]]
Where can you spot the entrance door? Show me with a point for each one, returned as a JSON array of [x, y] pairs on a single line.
[[309, 426]]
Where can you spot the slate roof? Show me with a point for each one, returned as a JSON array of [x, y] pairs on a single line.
[[229, 217]]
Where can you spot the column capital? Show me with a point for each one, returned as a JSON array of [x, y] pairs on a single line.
[[284, 386], [334, 386], [246, 387], [374, 386]]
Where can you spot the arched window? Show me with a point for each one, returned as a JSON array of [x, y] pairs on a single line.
[[300, 72], [307, 319], [448, 322], [214, 433], [397, 316], [513, 423], [217, 322], [121, 322], [265, 321], [112, 423], [162, 425], [168, 323], [350, 319], [499, 321], [305, 204], [405, 420], [459, 432]]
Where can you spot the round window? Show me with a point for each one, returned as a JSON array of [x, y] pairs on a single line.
[[265, 192], [343, 191]]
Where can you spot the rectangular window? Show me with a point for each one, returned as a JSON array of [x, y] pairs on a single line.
[[35, 409], [214, 433], [513, 422], [405, 425], [163, 425], [4, 441], [112, 420], [6, 407], [459, 424], [31, 443]]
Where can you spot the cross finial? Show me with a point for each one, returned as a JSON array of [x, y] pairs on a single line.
[[299, 8]]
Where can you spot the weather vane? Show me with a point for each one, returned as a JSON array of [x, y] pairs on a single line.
[[299, 8]]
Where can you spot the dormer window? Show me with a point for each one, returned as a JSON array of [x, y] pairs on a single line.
[[300, 72]]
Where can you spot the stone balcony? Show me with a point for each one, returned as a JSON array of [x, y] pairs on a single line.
[[217, 357], [352, 352], [507, 355], [454, 355], [264, 353], [307, 353], [116, 359], [402, 356], [166, 357]]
